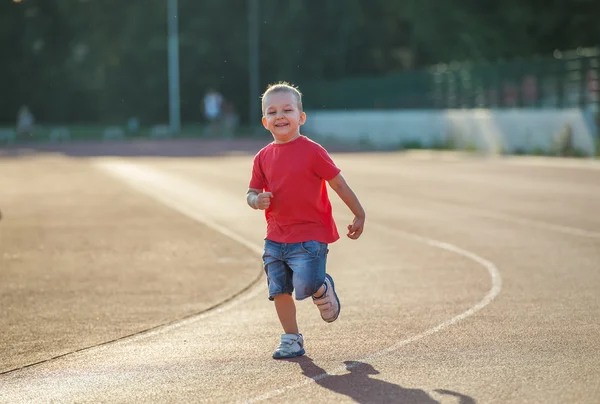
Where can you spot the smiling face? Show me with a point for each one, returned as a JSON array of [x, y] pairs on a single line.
[[282, 115]]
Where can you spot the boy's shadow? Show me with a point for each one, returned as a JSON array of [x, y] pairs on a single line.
[[361, 388]]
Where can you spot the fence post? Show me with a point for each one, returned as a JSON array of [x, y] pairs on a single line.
[[583, 81], [559, 74], [540, 72]]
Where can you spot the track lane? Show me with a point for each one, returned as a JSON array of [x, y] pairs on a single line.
[[384, 339], [533, 344]]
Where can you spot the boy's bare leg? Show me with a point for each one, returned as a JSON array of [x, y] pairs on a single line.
[[286, 311]]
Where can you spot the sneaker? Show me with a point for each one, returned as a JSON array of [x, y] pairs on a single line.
[[328, 303], [291, 345]]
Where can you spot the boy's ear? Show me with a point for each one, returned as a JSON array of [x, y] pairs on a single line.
[[264, 122], [302, 118]]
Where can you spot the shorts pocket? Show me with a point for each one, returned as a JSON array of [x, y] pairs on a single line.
[[312, 248], [272, 251]]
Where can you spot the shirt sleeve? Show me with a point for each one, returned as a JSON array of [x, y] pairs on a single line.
[[324, 165], [257, 181]]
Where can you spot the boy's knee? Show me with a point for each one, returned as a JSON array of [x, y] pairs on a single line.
[[306, 290]]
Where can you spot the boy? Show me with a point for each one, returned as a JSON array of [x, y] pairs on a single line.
[[288, 183]]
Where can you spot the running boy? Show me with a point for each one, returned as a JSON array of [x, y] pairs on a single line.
[[288, 182]]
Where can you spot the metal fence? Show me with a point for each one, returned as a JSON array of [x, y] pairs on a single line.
[[563, 80]]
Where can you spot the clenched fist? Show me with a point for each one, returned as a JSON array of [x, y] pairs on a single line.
[[263, 200]]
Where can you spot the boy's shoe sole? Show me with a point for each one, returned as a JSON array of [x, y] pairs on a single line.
[[286, 348], [288, 356]]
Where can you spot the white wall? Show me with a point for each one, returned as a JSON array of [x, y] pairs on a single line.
[[492, 131]]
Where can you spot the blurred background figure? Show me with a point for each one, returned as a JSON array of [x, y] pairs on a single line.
[[133, 124], [231, 119], [411, 59], [25, 122], [213, 103]]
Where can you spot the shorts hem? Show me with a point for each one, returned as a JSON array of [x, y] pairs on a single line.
[[272, 297], [302, 297]]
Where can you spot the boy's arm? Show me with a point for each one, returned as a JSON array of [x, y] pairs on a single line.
[[339, 185], [257, 199], [251, 196]]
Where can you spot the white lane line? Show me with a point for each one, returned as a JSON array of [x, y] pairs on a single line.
[[496, 281], [513, 219], [489, 214], [531, 222], [176, 193], [553, 162], [592, 163], [185, 197]]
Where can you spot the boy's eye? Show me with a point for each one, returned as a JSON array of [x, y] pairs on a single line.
[[271, 113]]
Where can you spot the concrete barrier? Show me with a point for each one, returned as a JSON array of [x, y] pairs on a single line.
[[160, 132], [113, 133], [61, 134], [489, 131], [7, 135]]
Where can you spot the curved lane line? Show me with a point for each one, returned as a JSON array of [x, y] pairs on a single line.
[[172, 191], [496, 281], [574, 231], [142, 182]]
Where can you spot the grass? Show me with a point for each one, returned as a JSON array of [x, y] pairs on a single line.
[[83, 133], [199, 131]]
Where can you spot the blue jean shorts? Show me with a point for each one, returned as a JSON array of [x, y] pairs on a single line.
[[294, 267]]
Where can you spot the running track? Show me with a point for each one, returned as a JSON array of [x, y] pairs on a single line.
[[138, 279]]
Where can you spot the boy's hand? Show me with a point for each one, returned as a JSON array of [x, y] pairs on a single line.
[[356, 228], [263, 200]]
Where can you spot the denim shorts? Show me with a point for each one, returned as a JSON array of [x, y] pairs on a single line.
[[298, 267]]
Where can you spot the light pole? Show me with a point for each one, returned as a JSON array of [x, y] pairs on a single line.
[[253, 58], [173, 49]]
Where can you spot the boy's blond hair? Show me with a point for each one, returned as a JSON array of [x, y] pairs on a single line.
[[280, 87]]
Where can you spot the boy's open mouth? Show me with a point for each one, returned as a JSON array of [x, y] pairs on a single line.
[[279, 125]]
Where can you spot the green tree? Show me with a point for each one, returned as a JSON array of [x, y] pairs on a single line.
[[103, 61]]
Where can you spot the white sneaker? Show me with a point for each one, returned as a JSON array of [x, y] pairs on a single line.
[[328, 303], [291, 345]]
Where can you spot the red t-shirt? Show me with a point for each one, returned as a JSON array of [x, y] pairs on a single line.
[[296, 174]]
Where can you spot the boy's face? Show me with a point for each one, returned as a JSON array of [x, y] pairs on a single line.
[[282, 116]]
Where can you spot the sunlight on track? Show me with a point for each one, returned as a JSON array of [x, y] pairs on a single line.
[[187, 198], [487, 299]]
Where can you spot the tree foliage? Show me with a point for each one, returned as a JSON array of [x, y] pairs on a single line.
[[103, 61]]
